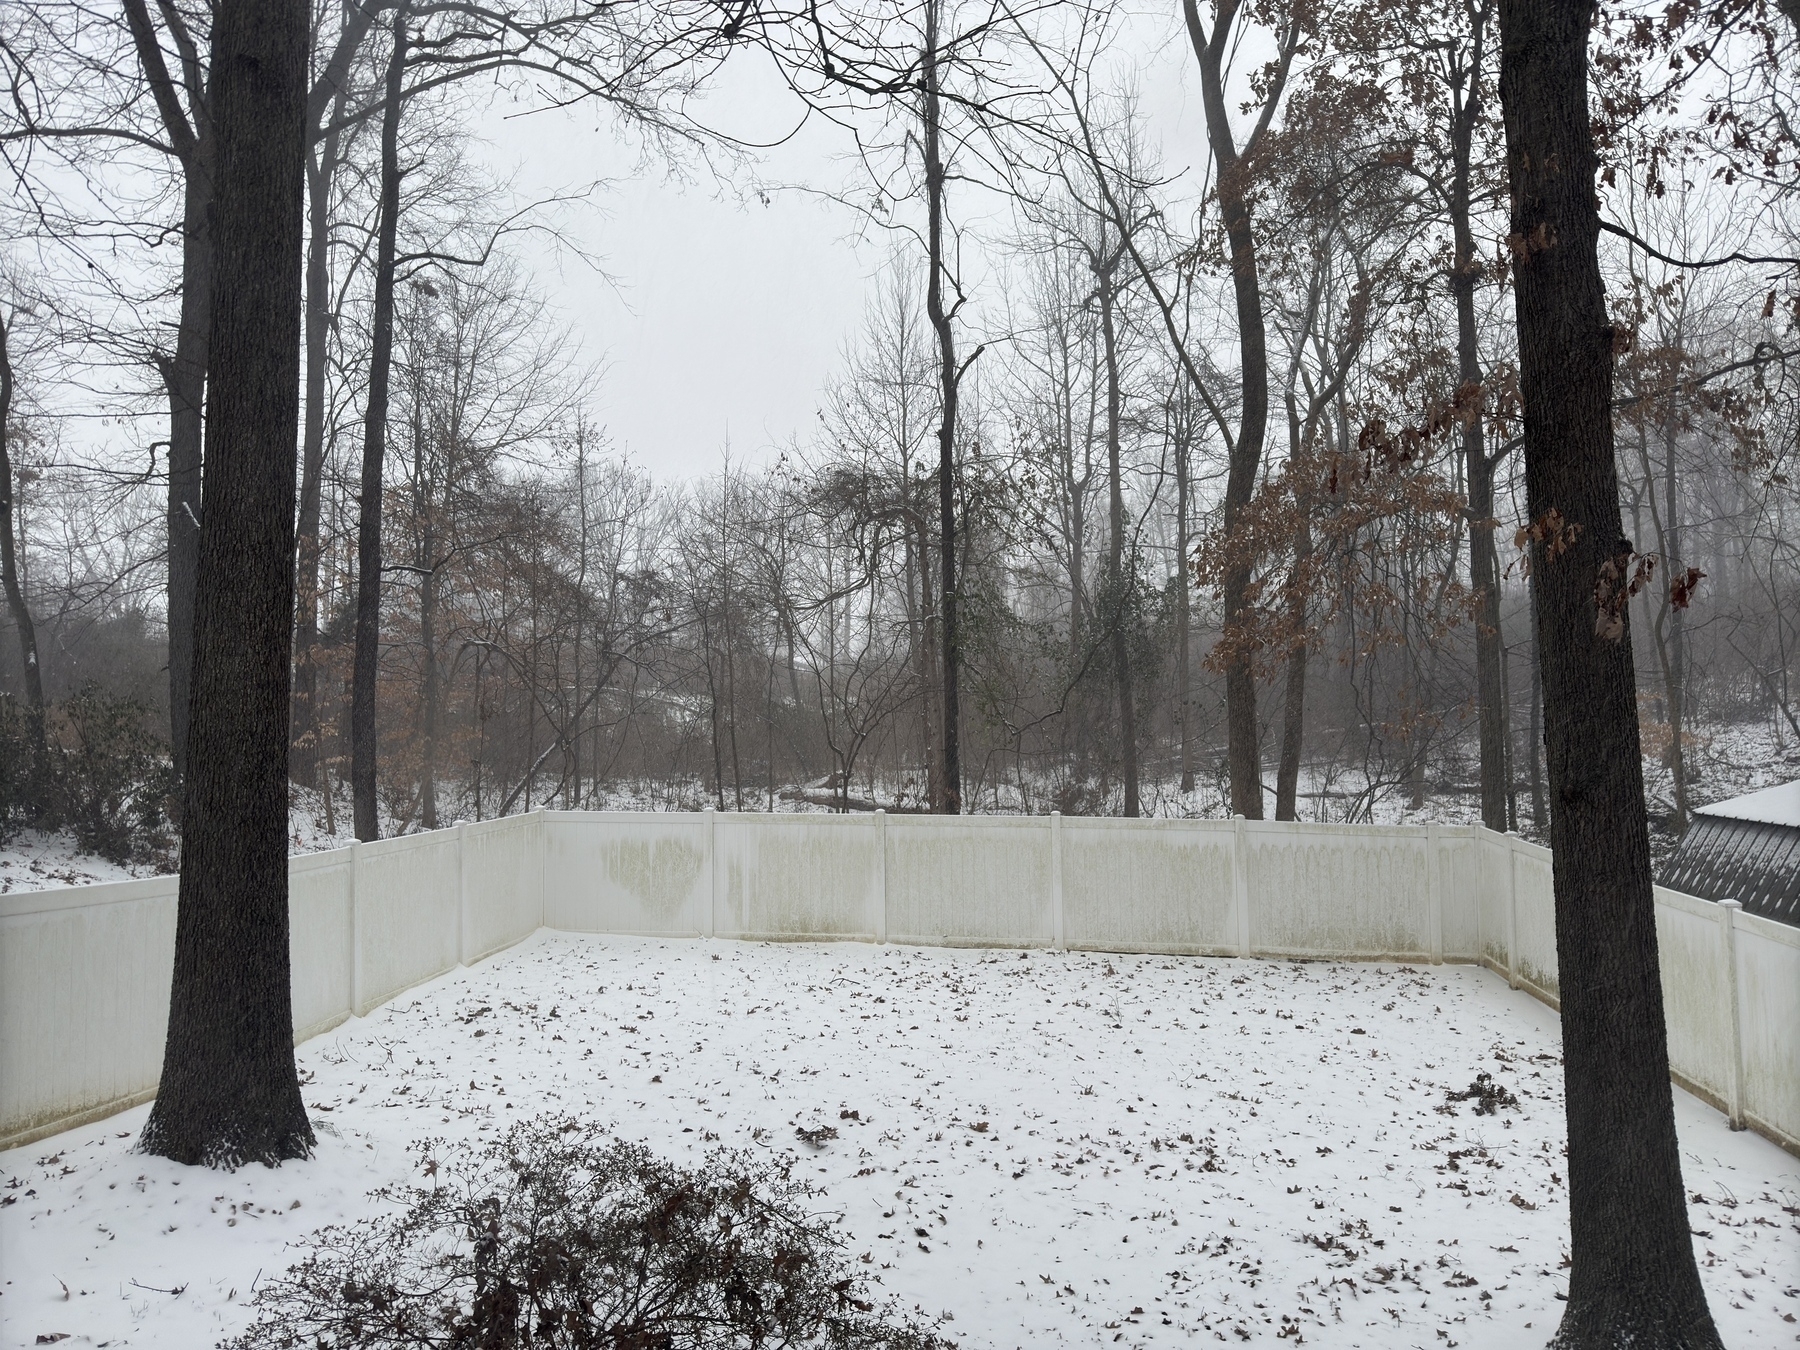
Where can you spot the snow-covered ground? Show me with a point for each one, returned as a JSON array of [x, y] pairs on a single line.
[[1046, 1149]]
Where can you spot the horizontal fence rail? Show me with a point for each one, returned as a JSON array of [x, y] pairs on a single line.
[[84, 972]]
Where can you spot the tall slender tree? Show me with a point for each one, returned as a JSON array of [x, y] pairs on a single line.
[[1632, 1281], [229, 1092], [374, 456], [1234, 179]]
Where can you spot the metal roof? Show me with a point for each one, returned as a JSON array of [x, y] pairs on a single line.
[[1756, 863], [1772, 806]]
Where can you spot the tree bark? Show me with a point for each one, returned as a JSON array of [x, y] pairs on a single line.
[[368, 542], [229, 1092], [950, 769], [1632, 1280], [1117, 582]]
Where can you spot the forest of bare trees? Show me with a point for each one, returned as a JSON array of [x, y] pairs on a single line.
[[1230, 475]]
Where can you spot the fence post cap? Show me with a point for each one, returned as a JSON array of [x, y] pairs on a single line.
[[1730, 904], [1236, 815]]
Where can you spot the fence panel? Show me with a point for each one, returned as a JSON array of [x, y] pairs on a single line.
[[969, 881], [1696, 983], [1149, 886], [502, 883], [1345, 890], [321, 937], [805, 877], [408, 914], [84, 1001], [644, 872], [1768, 955]]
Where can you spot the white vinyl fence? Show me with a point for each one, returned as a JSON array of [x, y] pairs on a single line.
[[84, 972]]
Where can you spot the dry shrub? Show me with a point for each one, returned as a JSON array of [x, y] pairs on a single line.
[[561, 1237]]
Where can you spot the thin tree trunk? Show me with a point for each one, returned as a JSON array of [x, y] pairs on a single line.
[[1632, 1279], [230, 1093], [1674, 658], [184, 378], [1243, 752], [304, 753], [1537, 745], [1115, 558], [1293, 712], [191, 135], [1484, 563], [950, 770], [9, 560], [368, 544], [1184, 713], [430, 693]]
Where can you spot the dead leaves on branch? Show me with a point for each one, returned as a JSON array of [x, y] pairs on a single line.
[[1619, 578], [1332, 534]]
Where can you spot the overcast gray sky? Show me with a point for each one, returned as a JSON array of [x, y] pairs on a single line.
[[728, 318]]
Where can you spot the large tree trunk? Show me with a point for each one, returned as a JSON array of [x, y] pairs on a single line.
[[304, 755], [950, 770], [1118, 584], [1632, 1280], [229, 1092], [368, 540]]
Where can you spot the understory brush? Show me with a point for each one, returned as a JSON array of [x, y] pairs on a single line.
[[559, 1236], [89, 765]]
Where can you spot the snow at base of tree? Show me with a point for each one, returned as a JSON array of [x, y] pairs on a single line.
[[1043, 1149]]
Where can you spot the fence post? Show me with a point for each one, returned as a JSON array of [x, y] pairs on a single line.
[[356, 962], [1434, 893], [543, 823], [1240, 885], [462, 892], [1512, 909], [709, 911], [1734, 1089], [878, 920], [1057, 938]]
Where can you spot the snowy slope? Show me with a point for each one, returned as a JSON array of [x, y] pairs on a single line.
[[1046, 1149]]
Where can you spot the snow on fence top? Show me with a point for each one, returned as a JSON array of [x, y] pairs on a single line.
[[84, 972]]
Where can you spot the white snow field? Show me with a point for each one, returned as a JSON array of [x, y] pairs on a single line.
[[1043, 1148]]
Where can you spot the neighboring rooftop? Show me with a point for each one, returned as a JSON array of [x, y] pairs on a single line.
[[1746, 849], [1778, 805]]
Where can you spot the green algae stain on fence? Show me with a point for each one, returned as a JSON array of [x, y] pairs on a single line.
[[659, 873]]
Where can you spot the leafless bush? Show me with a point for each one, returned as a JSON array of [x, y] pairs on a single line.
[[558, 1235]]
